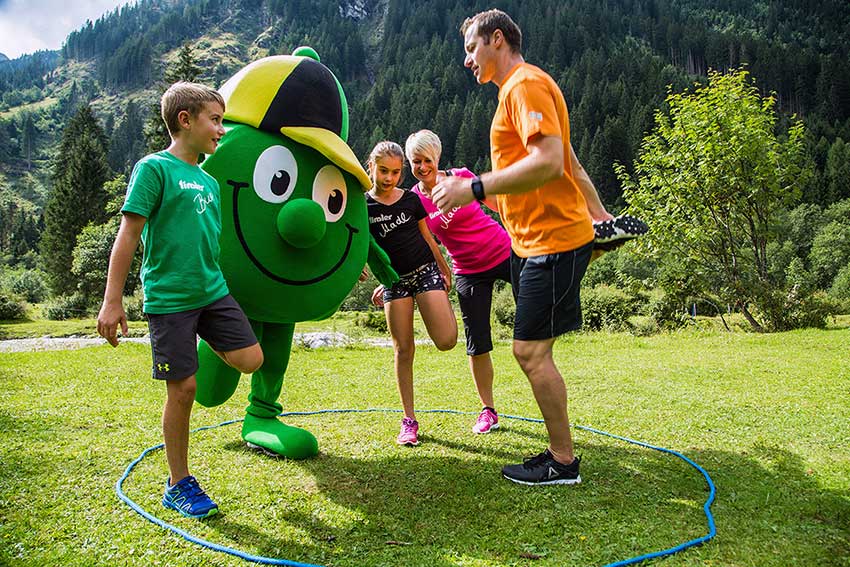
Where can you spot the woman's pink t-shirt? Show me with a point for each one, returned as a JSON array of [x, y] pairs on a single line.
[[475, 241]]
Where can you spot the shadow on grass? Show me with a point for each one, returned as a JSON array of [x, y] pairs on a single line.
[[445, 501]]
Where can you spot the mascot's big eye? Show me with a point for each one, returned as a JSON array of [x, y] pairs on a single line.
[[275, 174], [329, 192]]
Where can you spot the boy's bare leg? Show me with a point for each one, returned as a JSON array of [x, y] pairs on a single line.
[[535, 358], [246, 360], [175, 425]]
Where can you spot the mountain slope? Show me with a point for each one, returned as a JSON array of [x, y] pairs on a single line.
[[401, 65]]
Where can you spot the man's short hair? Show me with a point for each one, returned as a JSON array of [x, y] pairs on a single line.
[[190, 97], [493, 20]]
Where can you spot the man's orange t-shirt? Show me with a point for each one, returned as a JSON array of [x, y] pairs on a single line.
[[553, 217]]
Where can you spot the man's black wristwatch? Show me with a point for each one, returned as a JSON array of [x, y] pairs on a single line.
[[478, 189]]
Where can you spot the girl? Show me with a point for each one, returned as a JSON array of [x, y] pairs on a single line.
[[480, 250], [397, 221]]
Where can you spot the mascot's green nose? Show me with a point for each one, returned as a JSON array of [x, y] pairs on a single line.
[[301, 223]]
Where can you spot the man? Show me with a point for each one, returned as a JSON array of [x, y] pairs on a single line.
[[546, 202]]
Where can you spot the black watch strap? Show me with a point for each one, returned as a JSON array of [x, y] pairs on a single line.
[[478, 189]]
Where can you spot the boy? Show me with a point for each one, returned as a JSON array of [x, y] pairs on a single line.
[[174, 207]]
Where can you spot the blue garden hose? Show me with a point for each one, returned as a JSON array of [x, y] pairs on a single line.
[[712, 531]]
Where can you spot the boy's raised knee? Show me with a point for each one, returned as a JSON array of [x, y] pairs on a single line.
[[246, 360]]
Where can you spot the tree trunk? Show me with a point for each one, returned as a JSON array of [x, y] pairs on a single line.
[[749, 317]]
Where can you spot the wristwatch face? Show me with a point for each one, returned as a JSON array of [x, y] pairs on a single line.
[[478, 189]]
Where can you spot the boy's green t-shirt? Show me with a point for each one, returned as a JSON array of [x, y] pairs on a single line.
[[182, 204]]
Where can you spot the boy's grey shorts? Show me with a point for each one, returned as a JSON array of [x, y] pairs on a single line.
[[174, 336]]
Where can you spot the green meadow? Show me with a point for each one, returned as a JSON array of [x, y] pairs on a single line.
[[767, 416]]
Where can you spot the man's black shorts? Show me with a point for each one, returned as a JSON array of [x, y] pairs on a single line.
[[475, 295], [174, 342], [546, 289]]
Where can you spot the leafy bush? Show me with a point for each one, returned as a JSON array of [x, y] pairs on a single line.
[[12, 307], [830, 252], [606, 307], [504, 306], [27, 283], [371, 320], [134, 307], [643, 326], [91, 258], [360, 297], [840, 290], [795, 309], [667, 310], [67, 307], [602, 271]]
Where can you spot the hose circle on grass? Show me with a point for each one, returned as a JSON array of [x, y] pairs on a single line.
[[712, 531]]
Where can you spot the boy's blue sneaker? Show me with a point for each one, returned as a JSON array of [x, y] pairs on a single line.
[[188, 498]]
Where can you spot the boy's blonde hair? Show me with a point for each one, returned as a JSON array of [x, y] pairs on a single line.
[[425, 143], [190, 97], [381, 150]]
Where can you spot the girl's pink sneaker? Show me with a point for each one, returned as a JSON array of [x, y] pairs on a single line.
[[409, 432], [487, 420]]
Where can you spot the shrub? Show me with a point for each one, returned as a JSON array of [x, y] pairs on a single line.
[[643, 326], [12, 307], [504, 306], [795, 309], [371, 320], [360, 297], [606, 307], [67, 307], [830, 252], [602, 271], [667, 310], [134, 307], [29, 284], [840, 290]]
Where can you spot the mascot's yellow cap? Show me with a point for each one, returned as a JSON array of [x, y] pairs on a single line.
[[298, 97]]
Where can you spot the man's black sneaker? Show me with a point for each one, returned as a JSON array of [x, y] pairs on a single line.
[[543, 469], [612, 233]]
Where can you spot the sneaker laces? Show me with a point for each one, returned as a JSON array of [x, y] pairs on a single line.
[[408, 425], [536, 460], [485, 416], [194, 489]]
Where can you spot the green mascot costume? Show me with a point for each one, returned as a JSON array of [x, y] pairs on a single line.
[[295, 233]]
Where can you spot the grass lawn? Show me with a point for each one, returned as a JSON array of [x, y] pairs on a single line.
[[768, 416]]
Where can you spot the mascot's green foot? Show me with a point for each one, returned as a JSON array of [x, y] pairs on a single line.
[[272, 436]]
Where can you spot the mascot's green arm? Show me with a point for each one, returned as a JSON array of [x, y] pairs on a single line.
[[379, 263]]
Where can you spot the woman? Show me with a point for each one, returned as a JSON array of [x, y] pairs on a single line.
[[480, 250]]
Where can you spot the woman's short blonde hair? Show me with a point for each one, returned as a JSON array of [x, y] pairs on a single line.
[[425, 143]]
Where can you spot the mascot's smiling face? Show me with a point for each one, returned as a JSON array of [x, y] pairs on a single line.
[[295, 233], [294, 226]]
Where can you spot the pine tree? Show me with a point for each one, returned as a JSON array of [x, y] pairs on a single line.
[[77, 197], [185, 69], [837, 174], [126, 147], [29, 133]]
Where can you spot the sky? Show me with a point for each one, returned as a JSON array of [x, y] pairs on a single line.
[[29, 25]]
